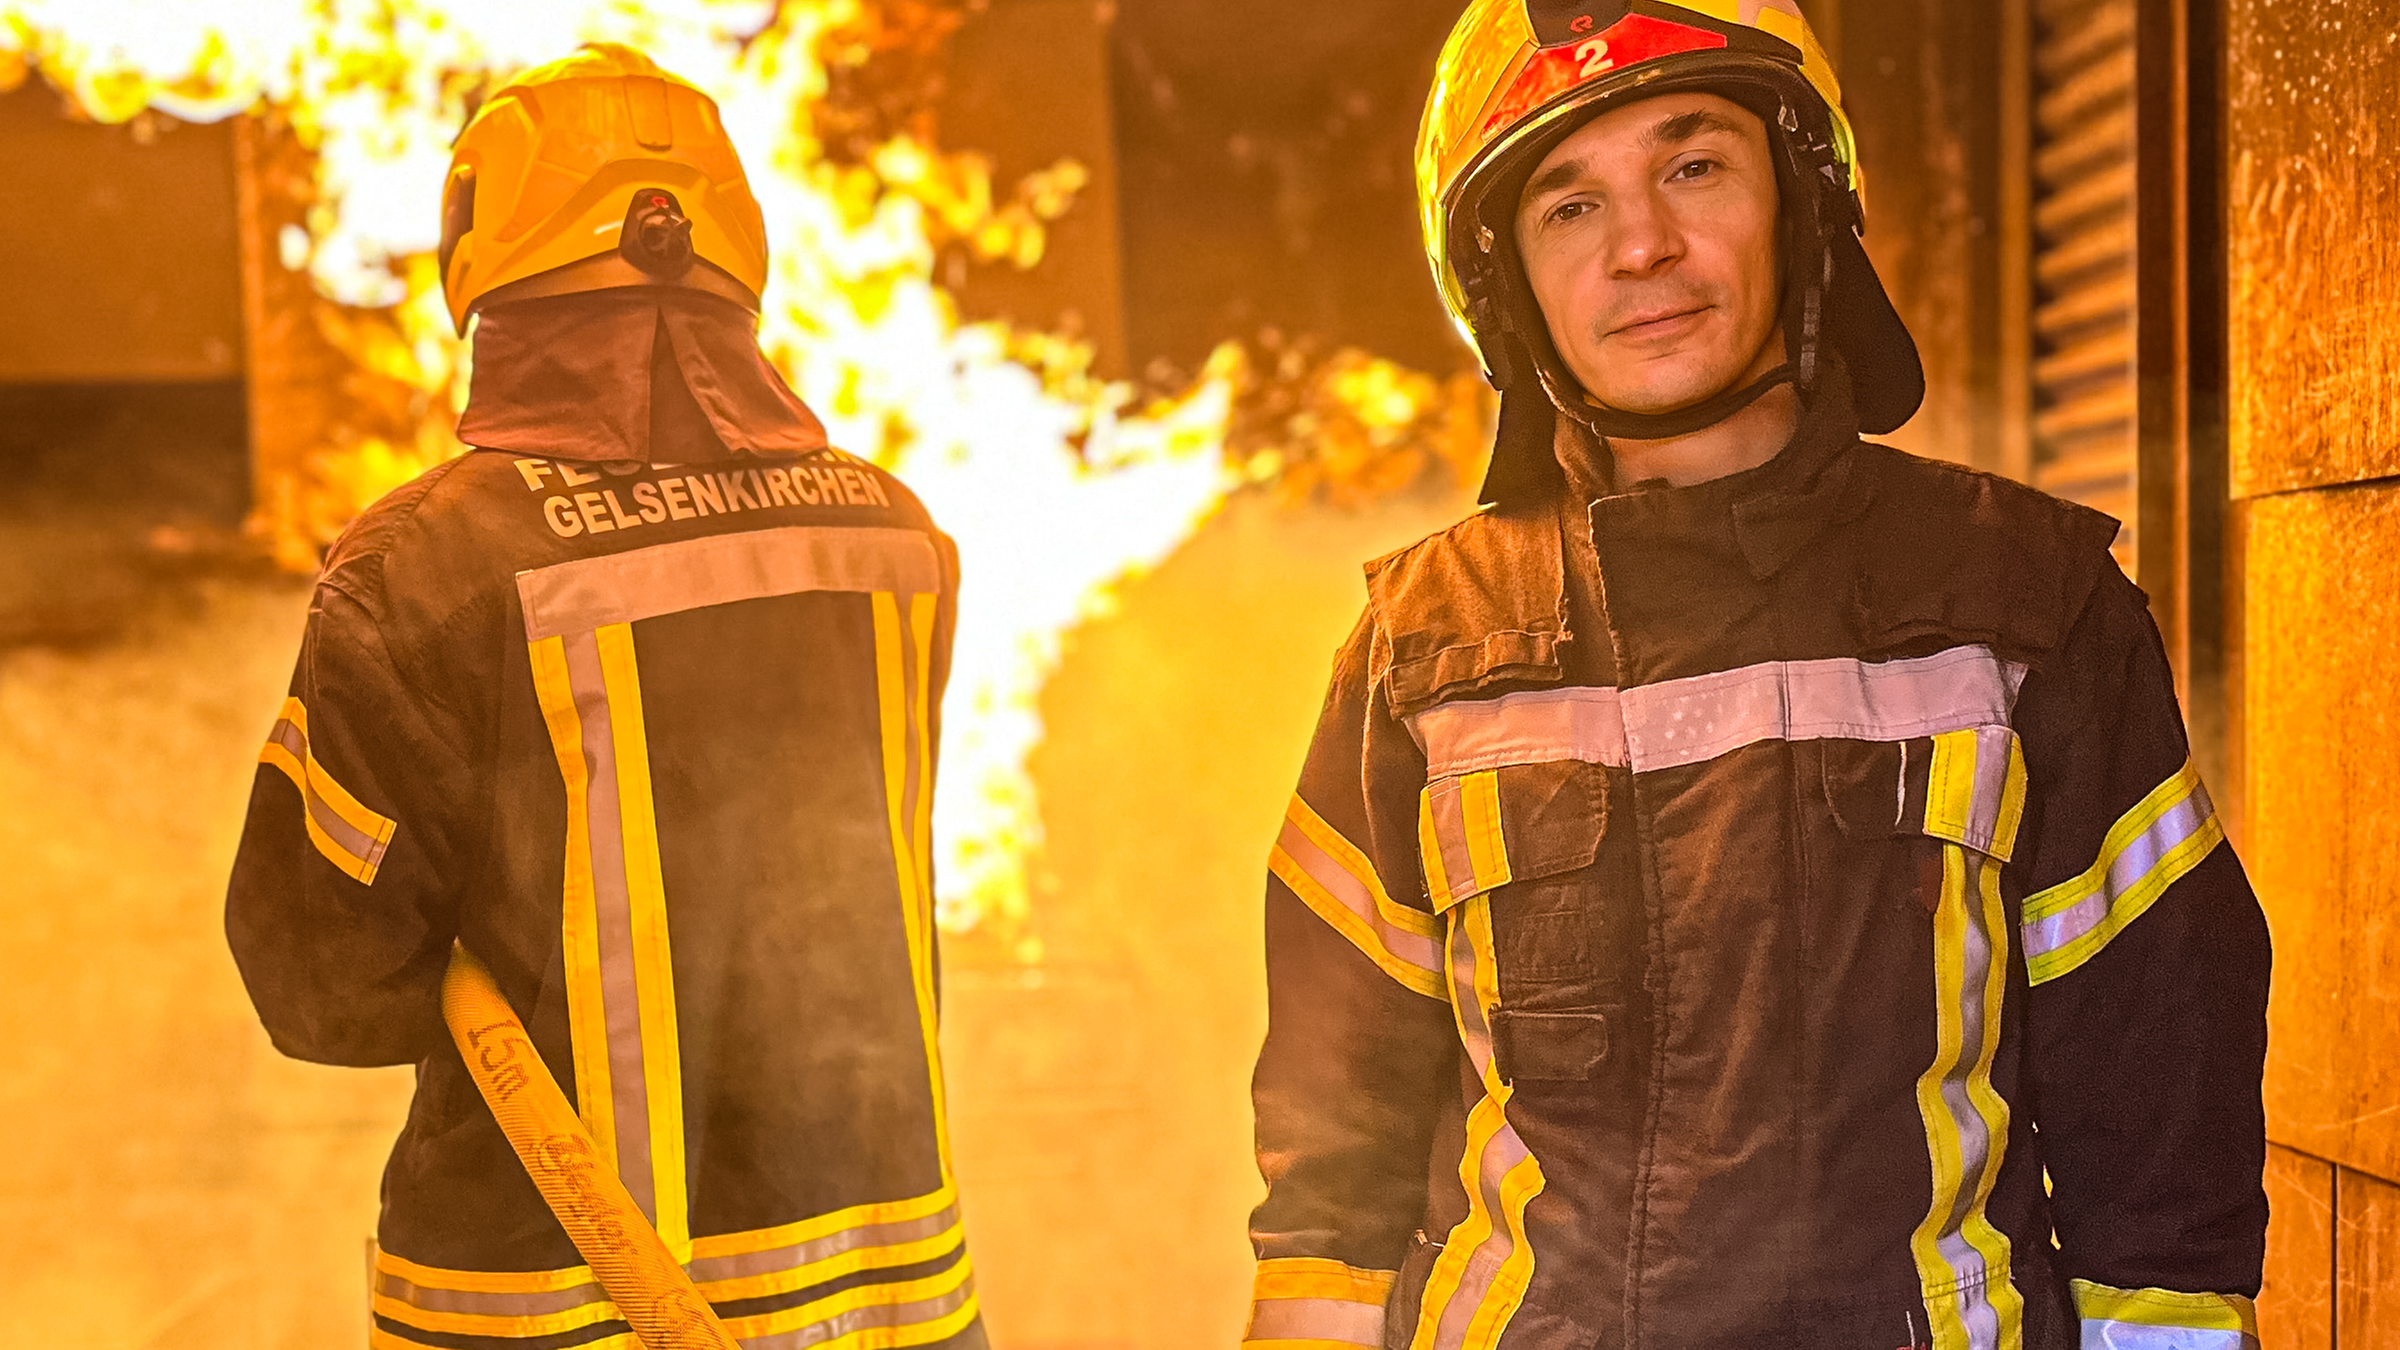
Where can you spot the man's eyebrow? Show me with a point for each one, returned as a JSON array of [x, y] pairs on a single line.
[[1556, 176], [1684, 126]]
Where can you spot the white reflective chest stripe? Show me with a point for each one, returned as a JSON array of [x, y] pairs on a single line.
[[1696, 719]]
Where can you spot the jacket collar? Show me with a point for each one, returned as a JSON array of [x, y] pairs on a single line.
[[1767, 514]]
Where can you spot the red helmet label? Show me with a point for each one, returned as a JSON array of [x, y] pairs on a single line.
[[1628, 42]]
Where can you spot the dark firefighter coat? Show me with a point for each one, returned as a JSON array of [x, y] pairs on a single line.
[[1707, 917], [647, 723]]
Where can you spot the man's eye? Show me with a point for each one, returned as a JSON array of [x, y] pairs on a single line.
[[1698, 168], [1566, 211]]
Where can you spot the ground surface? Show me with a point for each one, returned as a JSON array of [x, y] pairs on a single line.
[[171, 1182]]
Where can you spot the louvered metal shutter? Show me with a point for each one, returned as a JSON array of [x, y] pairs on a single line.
[[2084, 230]]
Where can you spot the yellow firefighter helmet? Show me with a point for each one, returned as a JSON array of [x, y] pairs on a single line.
[[1519, 76], [596, 171]]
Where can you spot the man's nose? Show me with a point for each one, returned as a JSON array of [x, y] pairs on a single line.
[[1645, 240]]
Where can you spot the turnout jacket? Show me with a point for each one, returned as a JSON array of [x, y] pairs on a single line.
[[1779, 912], [655, 741]]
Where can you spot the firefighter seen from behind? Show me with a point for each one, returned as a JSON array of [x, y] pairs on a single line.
[[613, 739]]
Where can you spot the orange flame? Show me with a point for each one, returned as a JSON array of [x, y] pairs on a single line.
[[1058, 485]]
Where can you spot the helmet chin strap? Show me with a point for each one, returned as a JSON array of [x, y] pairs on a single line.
[[1621, 425]]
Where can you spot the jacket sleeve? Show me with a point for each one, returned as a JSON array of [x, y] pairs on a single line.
[[2147, 957], [1360, 1038], [340, 911]]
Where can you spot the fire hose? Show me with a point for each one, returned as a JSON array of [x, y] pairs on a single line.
[[651, 1289]]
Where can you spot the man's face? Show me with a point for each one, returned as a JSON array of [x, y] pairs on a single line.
[[1650, 237]]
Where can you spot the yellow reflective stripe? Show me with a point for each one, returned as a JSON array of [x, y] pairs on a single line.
[[1975, 789], [903, 1312], [2164, 1308], [496, 1324], [947, 1239], [922, 609], [484, 1281], [579, 920], [1320, 1277], [895, 1313], [1480, 1279], [1484, 1123], [1355, 862], [1479, 803], [1307, 1300], [823, 1226], [780, 1260], [902, 652], [1338, 883], [1962, 1260], [921, 621], [1429, 852], [653, 962], [1950, 785], [2148, 850], [2007, 1305], [1459, 834], [345, 831]]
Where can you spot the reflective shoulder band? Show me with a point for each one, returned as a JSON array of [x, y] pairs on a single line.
[[652, 1291]]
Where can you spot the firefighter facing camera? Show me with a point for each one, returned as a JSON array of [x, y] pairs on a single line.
[[602, 793], [1749, 886]]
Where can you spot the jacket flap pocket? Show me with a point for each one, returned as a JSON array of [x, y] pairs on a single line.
[[1555, 1047], [1967, 787], [1479, 604], [2000, 567], [1480, 831]]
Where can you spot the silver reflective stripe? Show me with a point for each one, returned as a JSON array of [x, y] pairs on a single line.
[[1693, 720], [2141, 854], [1416, 949], [1536, 727], [486, 1304], [2102, 1334], [1501, 1153], [1995, 747], [870, 1317], [356, 842], [612, 901], [590, 593], [1449, 812], [778, 1260], [1316, 1319], [1972, 1131]]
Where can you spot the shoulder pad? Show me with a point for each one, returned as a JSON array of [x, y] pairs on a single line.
[[1478, 603], [1953, 552]]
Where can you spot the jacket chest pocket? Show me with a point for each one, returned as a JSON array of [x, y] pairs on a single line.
[[1520, 844], [1478, 832], [1961, 788]]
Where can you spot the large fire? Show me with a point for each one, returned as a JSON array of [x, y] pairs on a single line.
[[1058, 485]]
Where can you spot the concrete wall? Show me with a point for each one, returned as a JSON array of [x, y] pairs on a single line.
[[2313, 229]]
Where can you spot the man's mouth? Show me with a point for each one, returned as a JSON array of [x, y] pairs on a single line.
[[1656, 323]]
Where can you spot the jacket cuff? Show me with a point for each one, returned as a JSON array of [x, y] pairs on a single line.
[[2161, 1319], [1315, 1303]]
